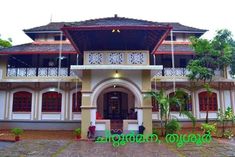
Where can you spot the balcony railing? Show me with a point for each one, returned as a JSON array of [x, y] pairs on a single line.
[[41, 72], [177, 72]]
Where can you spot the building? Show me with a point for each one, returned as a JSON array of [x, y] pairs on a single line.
[[97, 71]]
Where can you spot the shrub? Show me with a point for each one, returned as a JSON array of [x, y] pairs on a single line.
[[208, 128], [172, 126], [17, 131], [156, 132], [228, 133], [77, 131]]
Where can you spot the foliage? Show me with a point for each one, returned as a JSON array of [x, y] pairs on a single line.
[[165, 101], [156, 132], [232, 72], [226, 116], [228, 133], [17, 131], [5, 43], [77, 131], [172, 126], [211, 55], [208, 128], [182, 102]]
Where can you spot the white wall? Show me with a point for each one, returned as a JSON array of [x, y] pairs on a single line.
[[227, 99], [100, 75], [2, 104]]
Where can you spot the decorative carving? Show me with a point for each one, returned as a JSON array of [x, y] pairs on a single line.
[[115, 58], [136, 58], [31, 72], [52, 71], [42, 71], [95, 58]]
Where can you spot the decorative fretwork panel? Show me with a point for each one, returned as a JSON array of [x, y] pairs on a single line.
[[136, 58], [95, 58], [31, 72], [42, 72], [117, 57], [52, 71]]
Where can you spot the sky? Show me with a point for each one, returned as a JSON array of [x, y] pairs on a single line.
[[16, 15]]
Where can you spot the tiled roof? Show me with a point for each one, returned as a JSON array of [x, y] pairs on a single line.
[[31, 47], [56, 26], [179, 27], [44, 48], [177, 48]]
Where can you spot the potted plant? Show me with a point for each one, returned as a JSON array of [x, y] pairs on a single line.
[[17, 132], [78, 133], [208, 128], [228, 133]]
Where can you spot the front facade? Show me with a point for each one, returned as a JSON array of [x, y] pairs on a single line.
[[97, 72]]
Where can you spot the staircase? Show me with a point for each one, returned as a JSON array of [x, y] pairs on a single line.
[[116, 126]]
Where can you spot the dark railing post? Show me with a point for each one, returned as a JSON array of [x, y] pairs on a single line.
[[68, 65], [37, 64]]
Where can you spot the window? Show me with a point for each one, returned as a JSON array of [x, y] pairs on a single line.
[[22, 101], [51, 102], [204, 97], [57, 38], [77, 102], [186, 102], [169, 38], [154, 105]]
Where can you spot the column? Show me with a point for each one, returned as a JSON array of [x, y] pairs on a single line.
[[88, 112], [146, 105]]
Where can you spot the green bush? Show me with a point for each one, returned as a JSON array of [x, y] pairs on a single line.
[[156, 132], [208, 128], [77, 131], [228, 133], [17, 131], [172, 126]]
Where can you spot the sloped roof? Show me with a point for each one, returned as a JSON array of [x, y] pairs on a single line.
[[37, 48], [177, 48], [56, 26], [68, 48]]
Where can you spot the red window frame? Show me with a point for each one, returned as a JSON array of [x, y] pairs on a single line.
[[213, 104], [51, 102], [77, 106], [155, 107], [22, 101]]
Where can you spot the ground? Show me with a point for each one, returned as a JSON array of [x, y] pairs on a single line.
[[63, 144], [72, 148]]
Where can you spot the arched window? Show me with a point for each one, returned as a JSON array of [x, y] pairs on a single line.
[[155, 105], [51, 102], [186, 100], [22, 101], [77, 102], [205, 98]]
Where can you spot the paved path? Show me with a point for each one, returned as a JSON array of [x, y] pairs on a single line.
[[69, 148]]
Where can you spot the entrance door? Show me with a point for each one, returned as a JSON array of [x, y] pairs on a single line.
[[115, 105]]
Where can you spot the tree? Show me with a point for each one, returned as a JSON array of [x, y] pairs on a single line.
[[210, 55], [232, 72], [5, 43], [164, 103]]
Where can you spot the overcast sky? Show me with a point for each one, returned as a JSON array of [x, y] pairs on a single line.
[[16, 15]]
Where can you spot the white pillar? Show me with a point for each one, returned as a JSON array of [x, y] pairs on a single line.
[[140, 116], [93, 116]]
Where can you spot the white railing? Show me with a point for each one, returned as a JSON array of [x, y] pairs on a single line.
[[31, 72], [177, 72]]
